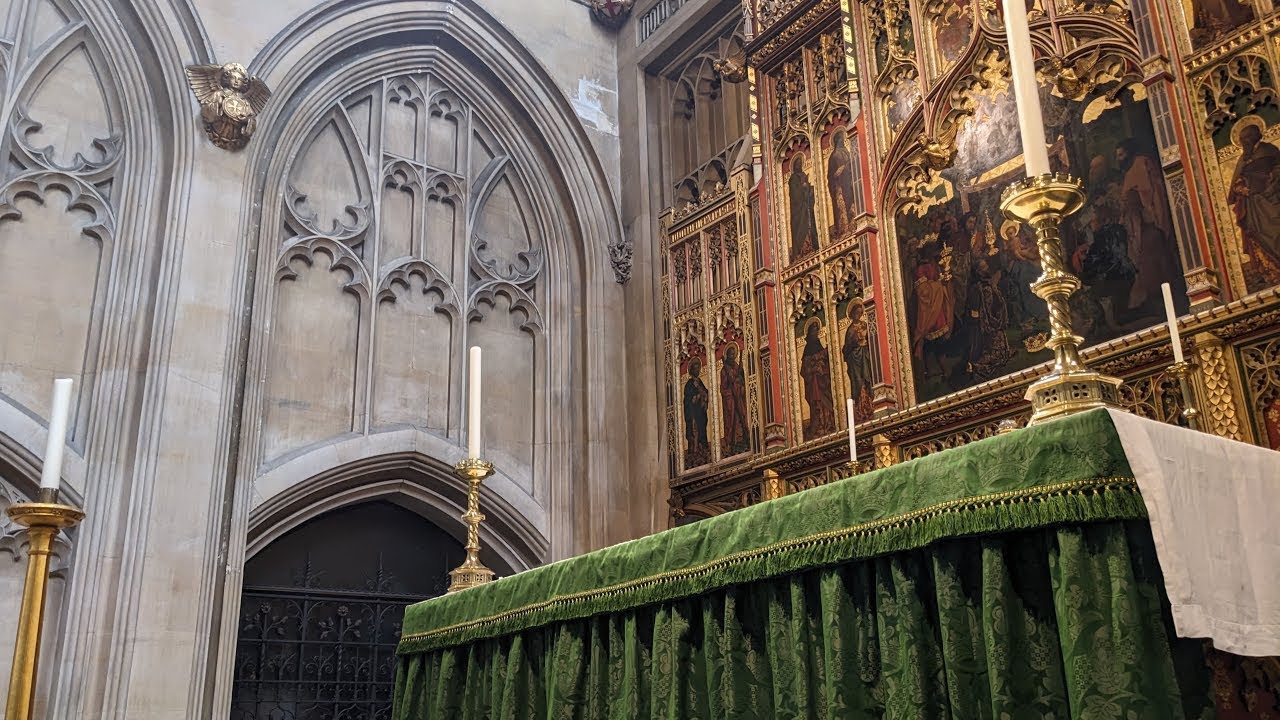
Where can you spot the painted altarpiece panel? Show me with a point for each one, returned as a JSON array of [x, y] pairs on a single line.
[[713, 404], [1239, 116], [819, 173], [966, 270]]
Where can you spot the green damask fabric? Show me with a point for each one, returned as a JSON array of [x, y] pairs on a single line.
[[1010, 578], [1070, 470], [1053, 623]]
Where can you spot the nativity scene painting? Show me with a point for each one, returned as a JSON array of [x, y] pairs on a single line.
[[967, 270]]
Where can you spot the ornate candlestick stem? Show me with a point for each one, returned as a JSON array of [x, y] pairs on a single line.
[[43, 520], [472, 572], [1182, 371], [1070, 387]]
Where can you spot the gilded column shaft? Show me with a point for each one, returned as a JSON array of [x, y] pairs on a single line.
[[42, 520]]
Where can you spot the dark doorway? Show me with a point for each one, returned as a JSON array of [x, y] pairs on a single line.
[[321, 611]]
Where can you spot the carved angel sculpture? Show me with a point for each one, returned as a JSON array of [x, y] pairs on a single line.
[[731, 69], [229, 102]]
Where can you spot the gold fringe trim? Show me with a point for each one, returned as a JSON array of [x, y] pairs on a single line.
[[854, 531]]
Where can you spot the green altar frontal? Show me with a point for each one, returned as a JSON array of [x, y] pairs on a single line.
[[1011, 578]]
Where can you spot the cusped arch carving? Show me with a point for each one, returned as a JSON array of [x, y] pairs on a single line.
[[447, 103], [445, 187], [80, 196], [401, 175], [33, 73], [488, 293], [432, 281], [340, 258], [304, 217]]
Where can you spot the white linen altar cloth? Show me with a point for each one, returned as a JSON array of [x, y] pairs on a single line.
[[1214, 506]]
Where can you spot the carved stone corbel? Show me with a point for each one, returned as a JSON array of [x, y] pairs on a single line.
[[611, 13]]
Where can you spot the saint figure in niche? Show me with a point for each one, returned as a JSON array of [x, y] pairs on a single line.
[[1144, 210], [857, 360], [1254, 197], [840, 185], [804, 226], [697, 449], [733, 403], [815, 371]]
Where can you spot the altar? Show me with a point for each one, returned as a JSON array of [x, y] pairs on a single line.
[[1062, 570]]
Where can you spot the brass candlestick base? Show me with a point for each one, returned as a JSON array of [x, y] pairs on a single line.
[[43, 520], [1070, 387], [472, 572], [857, 467], [1182, 371]]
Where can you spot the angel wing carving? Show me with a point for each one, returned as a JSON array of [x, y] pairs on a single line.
[[203, 80], [229, 100]]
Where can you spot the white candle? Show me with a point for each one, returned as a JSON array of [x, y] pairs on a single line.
[[473, 404], [51, 474], [1025, 89], [853, 435], [1172, 316]]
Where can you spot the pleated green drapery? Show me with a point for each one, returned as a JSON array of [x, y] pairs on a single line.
[[1013, 578]]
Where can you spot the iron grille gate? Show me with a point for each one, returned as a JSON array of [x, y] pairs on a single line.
[[311, 654]]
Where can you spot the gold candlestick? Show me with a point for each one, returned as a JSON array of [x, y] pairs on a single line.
[[43, 520], [472, 572], [856, 467], [1182, 371], [1070, 387]]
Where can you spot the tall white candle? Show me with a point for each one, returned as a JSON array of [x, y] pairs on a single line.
[[473, 404], [853, 435], [1172, 317], [1025, 90], [51, 474]]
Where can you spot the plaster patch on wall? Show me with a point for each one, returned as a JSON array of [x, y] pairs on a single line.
[[590, 105]]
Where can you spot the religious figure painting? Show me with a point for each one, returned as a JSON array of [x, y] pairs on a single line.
[[953, 28], [902, 99], [1253, 194], [840, 185], [733, 403], [1210, 20], [815, 377], [800, 197], [970, 311], [696, 401], [856, 352]]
